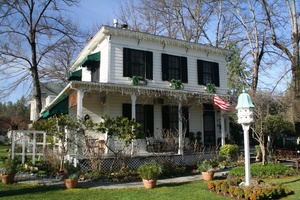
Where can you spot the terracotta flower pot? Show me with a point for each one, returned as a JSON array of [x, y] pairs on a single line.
[[149, 184], [8, 178], [207, 175], [71, 183]]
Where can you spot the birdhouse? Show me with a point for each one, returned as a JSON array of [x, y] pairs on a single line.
[[245, 109]]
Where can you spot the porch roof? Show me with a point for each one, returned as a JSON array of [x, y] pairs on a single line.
[[201, 97], [146, 91]]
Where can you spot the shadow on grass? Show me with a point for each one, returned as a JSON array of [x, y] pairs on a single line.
[[293, 181], [15, 190]]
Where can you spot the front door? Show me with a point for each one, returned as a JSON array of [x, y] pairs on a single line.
[[209, 125]]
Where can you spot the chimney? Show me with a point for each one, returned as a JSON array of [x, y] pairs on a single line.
[[115, 23], [124, 26]]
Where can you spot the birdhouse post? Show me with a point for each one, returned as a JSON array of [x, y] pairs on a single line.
[[245, 118]]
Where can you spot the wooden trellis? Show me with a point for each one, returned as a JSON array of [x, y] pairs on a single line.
[[27, 139]]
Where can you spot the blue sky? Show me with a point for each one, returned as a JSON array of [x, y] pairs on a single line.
[[100, 12]]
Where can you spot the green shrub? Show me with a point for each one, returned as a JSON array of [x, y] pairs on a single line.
[[169, 169], [269, 170], [149, 170], [93, 175], [205, 166], [229, 151]]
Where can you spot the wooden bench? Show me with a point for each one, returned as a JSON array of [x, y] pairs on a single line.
[[288, 155]]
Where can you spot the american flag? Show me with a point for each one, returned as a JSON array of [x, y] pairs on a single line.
[[223, 105]]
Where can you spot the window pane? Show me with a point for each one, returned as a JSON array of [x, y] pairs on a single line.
[[138, 63], [207, 72], [174, 118], [174, 67], [140, 113]]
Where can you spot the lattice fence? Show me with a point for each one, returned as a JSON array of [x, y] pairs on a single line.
[[108, 164]]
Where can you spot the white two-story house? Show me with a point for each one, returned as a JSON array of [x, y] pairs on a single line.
[[101, 83]]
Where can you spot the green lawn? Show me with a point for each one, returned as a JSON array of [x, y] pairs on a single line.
[[186, 191]]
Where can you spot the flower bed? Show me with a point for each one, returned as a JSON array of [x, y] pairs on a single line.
[[259, 191]]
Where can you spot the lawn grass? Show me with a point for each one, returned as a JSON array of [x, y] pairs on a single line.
[[292, 182], [189, 191], [186, 191]]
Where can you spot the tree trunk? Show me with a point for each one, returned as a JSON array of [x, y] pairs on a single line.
[[263, 153]]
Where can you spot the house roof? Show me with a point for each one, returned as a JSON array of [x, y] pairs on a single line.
[[51, 88], [126, 33]]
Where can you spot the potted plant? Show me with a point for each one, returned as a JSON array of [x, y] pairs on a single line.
[[176, 84], [71, 180], [206, 169], [139, 80], [71, 176], [9, 171], [210, 88], [149, 173]]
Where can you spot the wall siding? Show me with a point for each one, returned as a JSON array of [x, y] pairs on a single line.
[[116, 68]]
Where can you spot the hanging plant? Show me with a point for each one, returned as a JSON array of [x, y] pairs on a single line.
[[176, 84], [138, 80], [210, 88]]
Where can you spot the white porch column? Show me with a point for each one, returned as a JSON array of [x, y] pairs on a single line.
[[180, 146], [133, 102], [80, 95], [222, 128], [133, 116], [13, 137]]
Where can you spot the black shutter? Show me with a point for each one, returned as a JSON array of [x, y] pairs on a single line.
[[149, 65], [216, 75], [166, 117], [184, 72], [149, 120], [127, 111], [200, 72], [165, 67], [126, 62]]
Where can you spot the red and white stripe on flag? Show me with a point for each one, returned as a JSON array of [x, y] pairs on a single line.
[[223, 105]]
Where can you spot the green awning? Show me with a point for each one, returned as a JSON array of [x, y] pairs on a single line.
[[60, 108], [75, 76], [90, 59]]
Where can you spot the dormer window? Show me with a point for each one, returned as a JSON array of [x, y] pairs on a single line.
[[137, 63]]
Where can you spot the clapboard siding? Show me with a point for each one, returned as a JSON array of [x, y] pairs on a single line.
[[116, 64], [92, 106], [105, 58]]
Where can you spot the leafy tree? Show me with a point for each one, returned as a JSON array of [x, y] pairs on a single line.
[[276, 127], [237, 76], [120, 127], [15, 114], [67, 130]]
